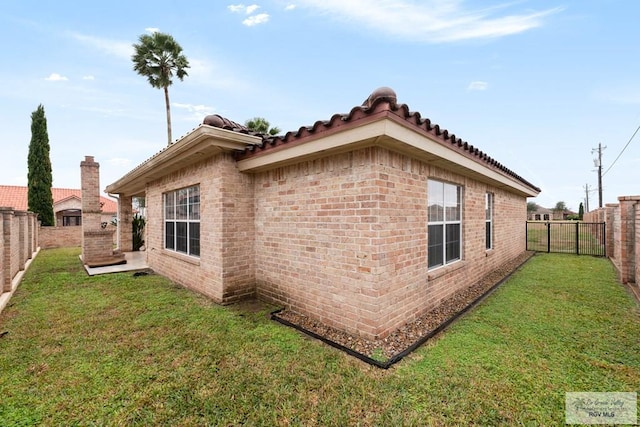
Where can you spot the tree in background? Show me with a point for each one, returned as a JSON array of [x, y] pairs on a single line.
[[559, 210], [531, 207], [39, 175], [560, 207], [261, 125], [158, 57], [581, 212]]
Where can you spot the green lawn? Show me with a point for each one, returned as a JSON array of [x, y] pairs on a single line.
[[124, 350]]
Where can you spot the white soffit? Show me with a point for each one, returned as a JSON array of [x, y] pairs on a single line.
[[201, 142]]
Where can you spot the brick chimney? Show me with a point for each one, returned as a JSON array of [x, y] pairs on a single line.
[[97, 241]]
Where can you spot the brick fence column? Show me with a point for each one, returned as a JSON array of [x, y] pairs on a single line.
[[21, 217], [609, 219], [6, 216], [627, 237], [636, 260], [2, 260]]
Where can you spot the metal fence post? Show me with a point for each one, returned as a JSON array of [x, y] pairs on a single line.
[[548, 237]]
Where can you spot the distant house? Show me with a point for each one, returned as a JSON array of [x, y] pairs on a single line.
[[544, 214], [363, 222], [67, 204], [540, 214]]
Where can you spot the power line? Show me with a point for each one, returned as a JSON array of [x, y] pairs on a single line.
[[625, 147]]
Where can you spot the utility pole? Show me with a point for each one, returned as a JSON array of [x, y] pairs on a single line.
[[598, 163], [586, 197]]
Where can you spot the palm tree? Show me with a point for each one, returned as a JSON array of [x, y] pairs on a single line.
[[158, 57], [261, 125]]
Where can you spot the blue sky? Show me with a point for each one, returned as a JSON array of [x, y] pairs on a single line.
[[535, 84]]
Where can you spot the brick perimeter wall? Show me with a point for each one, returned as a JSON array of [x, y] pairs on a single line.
[[59, 237], [62, 237], [18, 232], [623, 236]]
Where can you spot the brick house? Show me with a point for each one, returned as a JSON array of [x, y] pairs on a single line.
[[67, 204], [364, 221]]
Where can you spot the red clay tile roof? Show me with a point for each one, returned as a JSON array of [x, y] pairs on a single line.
[[15, 197], [381, 101]]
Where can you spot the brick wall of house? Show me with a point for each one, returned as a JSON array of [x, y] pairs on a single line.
[[343, 239], [238, 231], [317, 227], [224, 270]]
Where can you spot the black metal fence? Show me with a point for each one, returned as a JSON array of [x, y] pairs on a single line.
[[582, 238]]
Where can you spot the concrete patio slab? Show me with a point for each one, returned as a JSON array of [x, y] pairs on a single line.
[[136, 261]]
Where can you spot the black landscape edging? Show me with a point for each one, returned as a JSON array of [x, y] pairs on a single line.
[[399, 356]]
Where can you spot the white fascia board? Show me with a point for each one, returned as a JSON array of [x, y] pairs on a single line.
[[203, 138], [401, 135], [311, 148], [424, 143]]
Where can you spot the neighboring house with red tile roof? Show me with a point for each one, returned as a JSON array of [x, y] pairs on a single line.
[[67, 204], [364, 221]]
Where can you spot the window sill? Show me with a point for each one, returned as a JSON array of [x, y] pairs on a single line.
[[441, 271], [182, 257]]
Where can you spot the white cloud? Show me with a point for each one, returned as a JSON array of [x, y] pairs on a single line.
[[88, 78], [152, 30], [260, 18], [55, 77], [200, 109], [241, 8], [236, 8], [113, 47], [252, 20], [431, 21], [290, 7], [478, 85]]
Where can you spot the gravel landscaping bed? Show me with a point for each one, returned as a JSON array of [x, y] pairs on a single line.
[[409, 334]]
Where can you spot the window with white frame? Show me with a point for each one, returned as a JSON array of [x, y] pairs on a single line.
[[488, 220], [182, 220], [444, 223]]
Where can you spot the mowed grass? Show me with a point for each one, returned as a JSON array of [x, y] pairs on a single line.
[[124, 350]]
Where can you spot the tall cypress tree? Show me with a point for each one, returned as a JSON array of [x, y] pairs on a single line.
[[40, 177]]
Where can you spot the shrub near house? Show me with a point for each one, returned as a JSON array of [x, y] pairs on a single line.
[[363, 222]]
